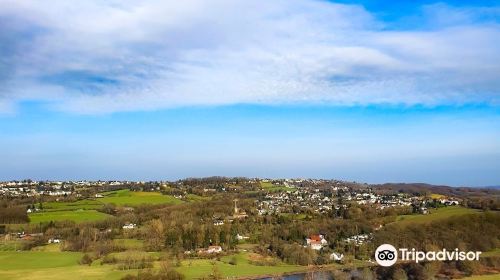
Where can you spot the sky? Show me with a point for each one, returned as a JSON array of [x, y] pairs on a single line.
[[369, 91]]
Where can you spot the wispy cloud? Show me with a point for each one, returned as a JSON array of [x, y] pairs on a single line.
[[109, 56]]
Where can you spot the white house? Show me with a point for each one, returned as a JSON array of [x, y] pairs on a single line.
[[211, 250], [129, 226], [241, 237], [336, 256], [218, 222], [54, 240]]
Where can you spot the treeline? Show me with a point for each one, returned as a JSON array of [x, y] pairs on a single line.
[[426, 189], [13, 215], [484, 203], [435, 270], [479, 231]]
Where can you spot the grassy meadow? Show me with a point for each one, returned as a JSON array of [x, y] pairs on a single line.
[[53, 266], [49, 264], [483, 277], [268, 186], [41, 265], [86, 204], [131, 198], [129, 244], [197, 268], [435, 214], [86, 210], [78, 216]]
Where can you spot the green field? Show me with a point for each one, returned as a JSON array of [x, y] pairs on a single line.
[[268, 186], [435, 214], [64, 265], [51, 265], [37, 260], [196, 198], [129, 244], [120, 197], [85, 204], [492, 253], [127, 197], [483, 277], [71, 215], [48, 248], [10, 245], [47, 265], [194, 269], [85, 210]]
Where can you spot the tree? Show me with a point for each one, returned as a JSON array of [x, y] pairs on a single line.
[[368, 274], [86, 260], [399, 274], [155, 234], [216, 274]]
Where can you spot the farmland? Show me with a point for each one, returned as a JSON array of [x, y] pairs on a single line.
[[78, 216], [435, 214], [86, 210], [85, 204], [127, 197], [52, 265], [268, 186], [193, 269], [64, 265], [483, 277]]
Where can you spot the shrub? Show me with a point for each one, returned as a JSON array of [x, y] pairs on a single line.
[[86, 259], [233, 261]]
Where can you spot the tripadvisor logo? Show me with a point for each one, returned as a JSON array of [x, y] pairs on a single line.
[[387, 255]]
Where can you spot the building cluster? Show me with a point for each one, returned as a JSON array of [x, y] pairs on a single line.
[[29, 188], [359, 239], [33, 188], [293, 201], [297, 200]]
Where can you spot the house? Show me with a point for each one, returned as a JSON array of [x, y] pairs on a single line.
[[316, 241], [32, 210], [218, 222], [336, 256], [211, 250], [129, 226], [214, 249], [241, 237]]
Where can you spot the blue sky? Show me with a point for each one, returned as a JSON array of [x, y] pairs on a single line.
[[372, 91]]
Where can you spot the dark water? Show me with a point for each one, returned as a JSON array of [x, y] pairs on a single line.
[[318, 275]]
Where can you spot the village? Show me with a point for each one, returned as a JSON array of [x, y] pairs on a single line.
[[265, 223], [298, 200], [285, 196]]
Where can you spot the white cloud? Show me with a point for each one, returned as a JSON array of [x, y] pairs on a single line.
[[108, 56]]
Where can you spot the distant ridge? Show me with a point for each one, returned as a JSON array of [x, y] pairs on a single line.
[[492, 187], [437, 189]]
